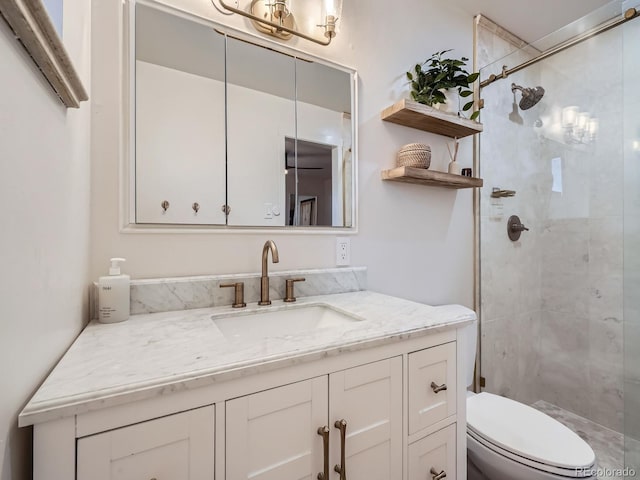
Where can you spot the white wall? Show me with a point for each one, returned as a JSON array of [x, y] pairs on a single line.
[[416, 241], [44, 245]]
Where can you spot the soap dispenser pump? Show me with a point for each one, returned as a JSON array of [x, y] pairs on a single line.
[[114, 294]]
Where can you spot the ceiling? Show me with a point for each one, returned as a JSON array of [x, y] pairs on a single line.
[[532, 20]]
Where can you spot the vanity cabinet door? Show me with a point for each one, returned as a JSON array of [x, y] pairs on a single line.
[[179, 446], [273, 435], [369, 399], [434, 455]]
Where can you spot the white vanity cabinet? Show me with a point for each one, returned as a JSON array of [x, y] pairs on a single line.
[[289, 432], [179, 446], [402, 402]]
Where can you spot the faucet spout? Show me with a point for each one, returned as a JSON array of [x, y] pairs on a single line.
[[264, 279]]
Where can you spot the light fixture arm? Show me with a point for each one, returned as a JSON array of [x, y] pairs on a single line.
[[274, 24]]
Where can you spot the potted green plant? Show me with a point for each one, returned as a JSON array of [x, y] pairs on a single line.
[[431, 79]]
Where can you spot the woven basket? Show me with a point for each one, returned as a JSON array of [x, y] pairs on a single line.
[[414, 155]]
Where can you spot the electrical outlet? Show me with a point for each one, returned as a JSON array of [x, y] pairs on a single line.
[[268, 214], [343, 251]]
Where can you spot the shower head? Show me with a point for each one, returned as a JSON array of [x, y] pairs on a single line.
[[530, 96]]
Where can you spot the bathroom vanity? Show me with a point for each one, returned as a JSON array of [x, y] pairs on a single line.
[[354, 385]]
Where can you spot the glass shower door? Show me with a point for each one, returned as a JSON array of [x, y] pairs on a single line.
[[631, 49]]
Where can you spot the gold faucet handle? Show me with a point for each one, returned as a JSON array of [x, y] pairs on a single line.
[[239, 293], [290, 282]]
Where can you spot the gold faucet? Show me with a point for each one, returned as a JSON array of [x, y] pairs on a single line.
[[264, 280]]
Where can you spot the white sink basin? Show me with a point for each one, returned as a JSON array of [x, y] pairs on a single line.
[[286, 322]]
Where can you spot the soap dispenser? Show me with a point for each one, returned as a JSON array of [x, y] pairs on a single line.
[[113, 294]]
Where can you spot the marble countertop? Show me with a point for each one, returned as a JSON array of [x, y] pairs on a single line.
[[159, 353]]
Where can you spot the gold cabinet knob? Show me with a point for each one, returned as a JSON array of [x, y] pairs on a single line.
[[437, 476], [438, 388]]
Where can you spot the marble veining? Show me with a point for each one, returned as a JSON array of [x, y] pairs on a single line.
[[186, 293], [607, 444], [160, 353]]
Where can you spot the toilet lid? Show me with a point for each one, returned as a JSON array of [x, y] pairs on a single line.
[[526, 432]]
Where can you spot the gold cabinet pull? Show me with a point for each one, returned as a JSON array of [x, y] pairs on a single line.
[[324, 432], [342, 468], [437, 476], [438, 388]]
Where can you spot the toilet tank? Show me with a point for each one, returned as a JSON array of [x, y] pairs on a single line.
[[468, 343]]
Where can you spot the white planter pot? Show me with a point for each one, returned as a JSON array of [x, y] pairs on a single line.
[[452, 102]]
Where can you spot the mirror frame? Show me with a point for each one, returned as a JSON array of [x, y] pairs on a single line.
[[34, 29], [127, 164]]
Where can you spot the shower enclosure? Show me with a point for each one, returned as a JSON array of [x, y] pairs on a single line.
[[559, 309]]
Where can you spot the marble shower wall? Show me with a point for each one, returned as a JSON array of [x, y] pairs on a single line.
[[552, 301], [510, 271]]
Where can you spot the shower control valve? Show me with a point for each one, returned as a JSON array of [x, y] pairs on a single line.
[[515, 227]]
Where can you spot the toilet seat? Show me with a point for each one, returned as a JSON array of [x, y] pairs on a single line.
[[527, 436]]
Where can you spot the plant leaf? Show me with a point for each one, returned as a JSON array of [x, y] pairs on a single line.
[[465, 93], [473, 77], [474, 115], [409, 76], [467, 106]]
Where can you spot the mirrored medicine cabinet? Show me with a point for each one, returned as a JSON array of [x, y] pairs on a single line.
[[229, 132]]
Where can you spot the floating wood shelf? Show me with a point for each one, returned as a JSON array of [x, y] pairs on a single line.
[[422, 176], [416, 115]]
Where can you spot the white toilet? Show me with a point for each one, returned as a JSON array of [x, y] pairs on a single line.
[[507, 440]]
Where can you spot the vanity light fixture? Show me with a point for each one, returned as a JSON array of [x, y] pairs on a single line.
[[275, 17], [579, 127]]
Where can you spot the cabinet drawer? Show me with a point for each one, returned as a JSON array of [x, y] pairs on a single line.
[[177, 446], [432, 386], [434, 455]]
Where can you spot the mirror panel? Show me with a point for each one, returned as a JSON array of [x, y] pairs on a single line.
[[180, 120], [261, 94], [322, 174]]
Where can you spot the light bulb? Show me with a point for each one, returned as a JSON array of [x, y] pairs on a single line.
[[333, 8], [331, 12], [583, 121], [569, 116]]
